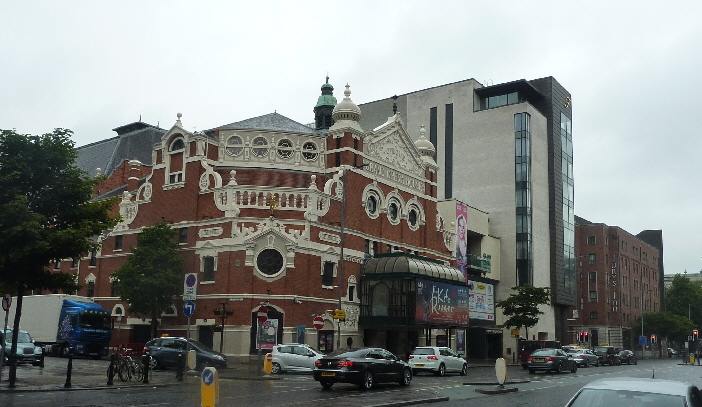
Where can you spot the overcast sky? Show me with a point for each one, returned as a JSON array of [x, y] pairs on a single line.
[[633, 68]]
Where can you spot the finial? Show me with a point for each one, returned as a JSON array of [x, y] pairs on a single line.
[[327, 78], [422, 132], [347, 92], [394, 105]]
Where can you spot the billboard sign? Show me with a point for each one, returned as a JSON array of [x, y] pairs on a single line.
[[481, 301], [441, 303]]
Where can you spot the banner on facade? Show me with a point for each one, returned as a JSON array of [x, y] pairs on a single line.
[[441, 303], [462, 239], [481, 301]]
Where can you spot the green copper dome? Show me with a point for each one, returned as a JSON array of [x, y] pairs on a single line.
[[327, 97]]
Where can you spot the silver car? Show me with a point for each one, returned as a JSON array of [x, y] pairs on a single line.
[[584, 357], [293, 356], [27, 351], [620, 391]]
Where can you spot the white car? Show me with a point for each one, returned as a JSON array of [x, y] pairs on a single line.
[[293, 356], [438, 360]]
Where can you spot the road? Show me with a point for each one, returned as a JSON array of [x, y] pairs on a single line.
[[534, 390]]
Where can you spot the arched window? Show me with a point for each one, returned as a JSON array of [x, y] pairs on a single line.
[[177, 144]]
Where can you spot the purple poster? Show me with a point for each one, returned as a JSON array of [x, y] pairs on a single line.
[[462, 239], [441, 303]]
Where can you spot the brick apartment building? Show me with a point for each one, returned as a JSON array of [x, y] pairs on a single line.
[[619, 276]]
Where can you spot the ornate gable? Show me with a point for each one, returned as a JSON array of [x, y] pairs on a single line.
[[390, 144]]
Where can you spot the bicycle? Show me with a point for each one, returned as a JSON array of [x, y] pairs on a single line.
[[129, 368]]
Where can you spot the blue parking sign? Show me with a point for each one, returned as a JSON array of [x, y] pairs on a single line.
[[643, 340]]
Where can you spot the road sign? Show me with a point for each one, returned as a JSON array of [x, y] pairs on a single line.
[[642, 340], [190, 287], [209, 387], [318, 322], [6, 301], [340, 314], [262, 314], [189, 308]]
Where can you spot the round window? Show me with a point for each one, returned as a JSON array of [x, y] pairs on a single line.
[[260, 147], [285, 148], [235, 145], [309, 151], [178, 144], [269, 262], [372, 204], [393, 211]]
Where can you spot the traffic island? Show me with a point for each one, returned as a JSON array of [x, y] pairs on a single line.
[[499, 389]]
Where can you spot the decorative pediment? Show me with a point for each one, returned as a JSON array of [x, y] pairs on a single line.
[[390, 144]]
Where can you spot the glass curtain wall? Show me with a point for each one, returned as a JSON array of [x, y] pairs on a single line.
[[522, 144]]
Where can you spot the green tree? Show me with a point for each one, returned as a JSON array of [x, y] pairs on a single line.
[[667, 325], [684, 298], [153, 273], [522, 307], [46, 213]]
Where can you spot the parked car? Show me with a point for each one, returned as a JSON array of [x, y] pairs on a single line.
[[628, 357], [672, 352], [364, 367], [608, 355], [438, 360], [27, 352], [293, 356], [550, 359], [585, 357], [165, 352], [636, 392]]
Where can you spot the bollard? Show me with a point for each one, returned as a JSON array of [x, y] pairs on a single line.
[[70, 367], [146, 360], [181, 366], [111, 370]]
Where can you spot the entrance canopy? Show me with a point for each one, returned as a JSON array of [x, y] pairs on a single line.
[[394, 265]]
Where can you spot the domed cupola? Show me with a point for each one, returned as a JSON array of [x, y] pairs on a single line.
[[325, 105], [423, 145], [347, 110]]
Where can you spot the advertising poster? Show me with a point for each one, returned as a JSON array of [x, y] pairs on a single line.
[[461, 341], [301, 329], [482, 301], [441, 303], [462, 239], [267, 334]]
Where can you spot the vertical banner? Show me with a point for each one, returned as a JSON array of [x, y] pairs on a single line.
[[461, 341], [301, 329], [462, 239]]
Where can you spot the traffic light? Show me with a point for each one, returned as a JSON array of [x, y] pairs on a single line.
[[653, 338], [587, 336], [694, 335], [580, 337]]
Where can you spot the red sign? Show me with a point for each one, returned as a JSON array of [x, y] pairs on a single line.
[[6, 302], [262, 314], [318, 322], [269, 357]]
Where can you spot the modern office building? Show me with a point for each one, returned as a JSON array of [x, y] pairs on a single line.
[[619, 279], [506, 149]]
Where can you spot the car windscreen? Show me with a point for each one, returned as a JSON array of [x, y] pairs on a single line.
[[617, 398], [600, 349], [423, 351]]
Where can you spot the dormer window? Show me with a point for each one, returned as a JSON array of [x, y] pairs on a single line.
[[177, 145]]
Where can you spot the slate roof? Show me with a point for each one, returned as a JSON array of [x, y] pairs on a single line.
[[272, 121], [133, 140]]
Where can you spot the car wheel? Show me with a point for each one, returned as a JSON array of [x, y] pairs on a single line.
[[597, 364], [587, 363], [327, 385], [532, 371], [275, 369], [574, 368], [441, 371], [154, 363], [367, 382], [524, 367], [464, 370], [406, 377], [560, 368]]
